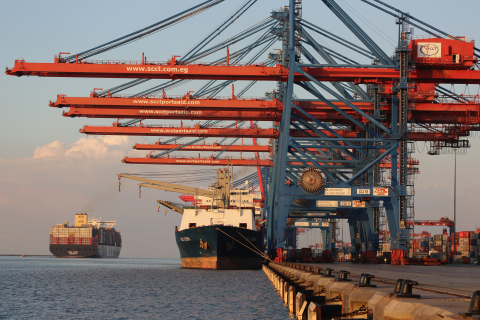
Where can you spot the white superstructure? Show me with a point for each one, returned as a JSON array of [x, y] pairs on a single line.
[[238, 198], [99, 223], [241, 218]]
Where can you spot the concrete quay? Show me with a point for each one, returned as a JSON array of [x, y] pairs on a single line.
[[311, 294]]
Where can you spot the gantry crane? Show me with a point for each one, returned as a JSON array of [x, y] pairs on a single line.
[[328, 155]]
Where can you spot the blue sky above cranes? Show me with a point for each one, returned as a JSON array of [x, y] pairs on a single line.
[[36, 31]]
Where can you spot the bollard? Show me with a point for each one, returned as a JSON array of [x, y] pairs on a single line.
[[342, 276], [406, 290], [361, 280], [398, 286], [365, 281], [317, 270], [474, 308], [327, 272]]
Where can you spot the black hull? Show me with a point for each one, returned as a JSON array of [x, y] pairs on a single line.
[[214, 247], [84, 251]]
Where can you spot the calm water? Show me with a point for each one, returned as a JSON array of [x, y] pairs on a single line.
[[124, 288]]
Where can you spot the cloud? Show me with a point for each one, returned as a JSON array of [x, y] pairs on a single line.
[[88, 147], [54, 149]]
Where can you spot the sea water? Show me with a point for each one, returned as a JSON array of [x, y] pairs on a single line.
[[132, 288]]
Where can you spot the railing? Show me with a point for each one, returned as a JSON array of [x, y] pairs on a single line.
[[430, 37], [211, 145], [178, 126], [472, 99], [166, 63], [159, 96], [210, 158]]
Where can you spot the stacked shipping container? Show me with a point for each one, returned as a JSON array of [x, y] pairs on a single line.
[[464, 250], [63, 234]]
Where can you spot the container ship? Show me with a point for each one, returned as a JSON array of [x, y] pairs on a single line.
[[219, 239], [85, 239], [220, 231]]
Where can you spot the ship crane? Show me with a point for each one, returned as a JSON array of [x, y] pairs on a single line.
[[150, 183], [220, 193], [171, 206]]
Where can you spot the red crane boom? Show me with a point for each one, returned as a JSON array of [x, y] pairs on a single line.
[[204, 147], [196, 131], [163, 70]]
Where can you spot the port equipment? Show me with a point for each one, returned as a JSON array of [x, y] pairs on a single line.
[[443, 111], [171, 206], [220, 192], [444, 221], [203, 147], [327, 154]]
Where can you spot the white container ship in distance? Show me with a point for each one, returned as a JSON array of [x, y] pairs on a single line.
[[85, 239]]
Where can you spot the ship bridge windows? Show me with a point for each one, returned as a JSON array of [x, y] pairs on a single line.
[[192, 225], [243, 225]]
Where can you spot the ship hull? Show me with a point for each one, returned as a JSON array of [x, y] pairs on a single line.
[[84, 251], [220, 247]]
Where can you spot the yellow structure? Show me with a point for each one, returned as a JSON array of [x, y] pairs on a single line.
[[80, 219]]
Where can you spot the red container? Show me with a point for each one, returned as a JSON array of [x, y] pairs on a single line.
[[424, 249], [454, 248]]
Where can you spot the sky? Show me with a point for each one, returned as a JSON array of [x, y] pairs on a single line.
[[49, 171]]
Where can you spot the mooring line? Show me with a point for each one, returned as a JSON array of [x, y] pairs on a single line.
[[244, 245], [263, 254]]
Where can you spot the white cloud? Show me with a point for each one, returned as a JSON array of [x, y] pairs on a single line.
[[54, 149], [115, 140], [88, 147]]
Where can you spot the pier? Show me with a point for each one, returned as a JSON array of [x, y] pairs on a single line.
[[354, 291]]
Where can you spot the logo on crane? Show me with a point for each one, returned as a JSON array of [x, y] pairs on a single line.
[[431, 50]]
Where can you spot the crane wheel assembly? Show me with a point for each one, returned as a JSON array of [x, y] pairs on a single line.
[[311, 181]]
